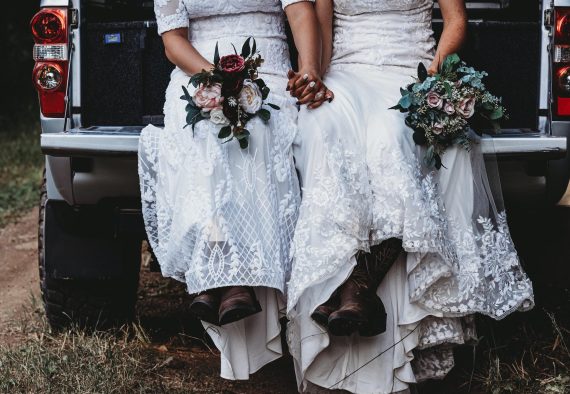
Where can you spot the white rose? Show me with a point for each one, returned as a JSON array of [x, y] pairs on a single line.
[[217, 117], [250, 98], [434, 100], [466, 107], [437, 128], [448, 108]]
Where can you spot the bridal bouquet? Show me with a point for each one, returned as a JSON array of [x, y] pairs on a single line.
[[443, 108], [230, 94]]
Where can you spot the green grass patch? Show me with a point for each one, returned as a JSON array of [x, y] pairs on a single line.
[[39, 360], [21, 164]]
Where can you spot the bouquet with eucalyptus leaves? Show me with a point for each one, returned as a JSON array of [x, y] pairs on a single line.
[[230, 94], [442, 109]]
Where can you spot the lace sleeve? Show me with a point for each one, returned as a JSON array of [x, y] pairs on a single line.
[[170, 15], [286, 3]]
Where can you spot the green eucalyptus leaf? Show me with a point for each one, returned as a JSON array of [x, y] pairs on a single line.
[[276, 107], [405, 102], [244, 134], [496, 114], [243, 143], [422, 72], [246, 48], [190, 118], [264, 114], [449, 63], [488, 106], [265, 92], [191, 107], [260, 82], [187, 96], [225, 132], [216, 56], [254, 47], [448, 90]]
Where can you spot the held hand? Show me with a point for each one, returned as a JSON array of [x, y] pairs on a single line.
[[434, 67], [299, 81], [323, 95], [308, 88]]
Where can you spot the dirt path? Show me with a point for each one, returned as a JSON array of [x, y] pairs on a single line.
[[18, 267]]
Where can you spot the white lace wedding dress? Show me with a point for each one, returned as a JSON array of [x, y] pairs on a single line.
[[217, 215], [363, 183]]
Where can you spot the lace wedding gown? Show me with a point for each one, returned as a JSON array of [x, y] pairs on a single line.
[[362, 184], [217, 215]]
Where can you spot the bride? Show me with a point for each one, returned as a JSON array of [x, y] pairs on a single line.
[[219, 218], [390, 260]]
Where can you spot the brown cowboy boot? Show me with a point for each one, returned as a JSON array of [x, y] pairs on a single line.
[[378, 263], [237, 302], [360, 308], [205, 306], [322, 313], [357, 304]]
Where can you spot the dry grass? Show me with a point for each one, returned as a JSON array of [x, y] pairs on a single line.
[[118, 361], [532, 357]]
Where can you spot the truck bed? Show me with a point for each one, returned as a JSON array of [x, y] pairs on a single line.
[[125, 72]]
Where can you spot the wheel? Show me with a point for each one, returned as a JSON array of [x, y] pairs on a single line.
[[85, 303]]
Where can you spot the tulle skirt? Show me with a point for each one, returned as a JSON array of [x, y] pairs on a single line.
[[362, 183]]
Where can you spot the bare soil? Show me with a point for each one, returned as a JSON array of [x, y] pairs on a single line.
[[19, 281], [178, 342], [526, 349]]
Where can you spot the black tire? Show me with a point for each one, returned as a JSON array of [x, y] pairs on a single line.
[[84, 303]]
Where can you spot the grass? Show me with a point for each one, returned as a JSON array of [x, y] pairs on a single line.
[[20, 170], [533, 358], [120, 361]]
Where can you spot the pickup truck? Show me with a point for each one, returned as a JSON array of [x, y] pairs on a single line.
[[101, 74]]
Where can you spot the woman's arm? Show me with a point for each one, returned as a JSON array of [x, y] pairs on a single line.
[[324, 11], [181, 52], [306, 84], [172, 21], [454, 31]]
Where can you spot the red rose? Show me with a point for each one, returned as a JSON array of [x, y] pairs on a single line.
[[232, 64]]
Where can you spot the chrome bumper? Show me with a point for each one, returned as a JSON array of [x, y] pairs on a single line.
[[123, 141]]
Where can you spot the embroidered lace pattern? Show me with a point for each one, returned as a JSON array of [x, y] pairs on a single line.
[[217, 215]]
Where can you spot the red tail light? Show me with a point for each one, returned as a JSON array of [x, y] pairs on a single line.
[[50, 26], [50, 29]]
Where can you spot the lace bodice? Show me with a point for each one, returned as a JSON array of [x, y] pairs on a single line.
[[230, 22], [356, 7], [175, 14], [392, 33]]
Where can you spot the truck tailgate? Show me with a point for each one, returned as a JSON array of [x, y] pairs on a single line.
[[123, 141]]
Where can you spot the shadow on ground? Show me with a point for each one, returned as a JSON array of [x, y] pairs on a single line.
[[526, 352]]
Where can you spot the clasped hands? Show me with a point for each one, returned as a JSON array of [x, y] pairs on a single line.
[[308, 88]]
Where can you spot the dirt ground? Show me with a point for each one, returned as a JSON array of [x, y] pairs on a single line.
[[18, 267], [177, 338], [541, 237]]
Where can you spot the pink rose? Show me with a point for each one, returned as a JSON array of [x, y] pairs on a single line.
[[209, 97], [434, 100], [448, 108], [232, 64], [466, 107], [437, 128]]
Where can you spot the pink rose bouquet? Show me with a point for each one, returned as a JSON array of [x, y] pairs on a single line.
[[230, 94], [442, 109]]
